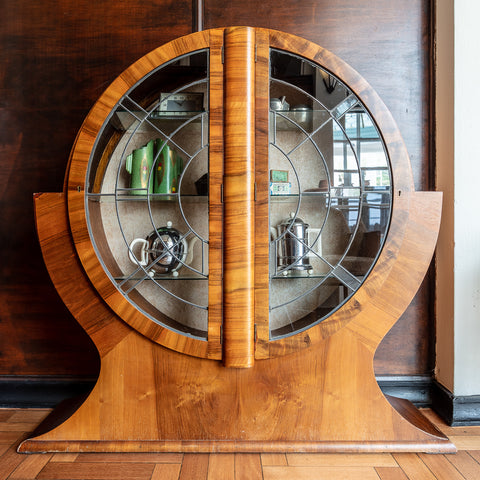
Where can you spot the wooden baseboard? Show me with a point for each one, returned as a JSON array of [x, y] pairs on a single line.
[[32, 391], [48, 391], [415, 388], [455, 410]]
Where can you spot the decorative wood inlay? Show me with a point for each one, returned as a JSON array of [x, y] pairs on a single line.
[[238, 196]]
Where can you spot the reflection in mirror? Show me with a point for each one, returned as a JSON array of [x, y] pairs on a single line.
[[330, 193]]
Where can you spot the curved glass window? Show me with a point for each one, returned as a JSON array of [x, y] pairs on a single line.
[[147, 195], [330, 193]]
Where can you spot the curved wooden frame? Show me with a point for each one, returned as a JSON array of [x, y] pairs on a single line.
[[75, 188], [323, 398], [379, 283]]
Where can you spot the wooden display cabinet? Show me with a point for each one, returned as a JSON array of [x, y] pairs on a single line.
[[237, 306]]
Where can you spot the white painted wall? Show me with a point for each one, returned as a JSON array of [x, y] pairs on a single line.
[[458, 175], [467, 197]]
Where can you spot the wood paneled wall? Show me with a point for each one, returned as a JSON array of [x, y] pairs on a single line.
[[58, 56]]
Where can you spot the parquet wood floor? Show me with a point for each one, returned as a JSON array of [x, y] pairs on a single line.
[[16, 424]]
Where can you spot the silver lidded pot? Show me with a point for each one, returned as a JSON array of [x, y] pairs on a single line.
[[292, 249], [167, 249], [279, 104], [164, 251], [301, 113]]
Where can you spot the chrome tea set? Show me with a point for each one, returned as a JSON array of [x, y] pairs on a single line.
[[164, 251]]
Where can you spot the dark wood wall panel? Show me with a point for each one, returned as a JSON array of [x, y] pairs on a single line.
[[58, 56], [388, 43]]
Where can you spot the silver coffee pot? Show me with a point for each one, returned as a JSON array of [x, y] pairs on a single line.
[[291, 236]]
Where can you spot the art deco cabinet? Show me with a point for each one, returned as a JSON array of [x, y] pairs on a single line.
[[237, 233]]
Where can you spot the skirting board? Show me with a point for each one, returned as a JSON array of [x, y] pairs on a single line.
[[456, 411], [41, 391], [49, 391]]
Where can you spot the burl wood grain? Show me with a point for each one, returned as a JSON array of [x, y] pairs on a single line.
[[315, 391], [238, 195], [148, 398]]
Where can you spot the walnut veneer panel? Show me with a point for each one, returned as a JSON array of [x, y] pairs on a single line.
[[293, 398], [239, 193], [215, 174], [148, 398]]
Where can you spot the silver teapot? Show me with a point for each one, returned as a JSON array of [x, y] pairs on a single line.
[[165, 250], [279, 104]]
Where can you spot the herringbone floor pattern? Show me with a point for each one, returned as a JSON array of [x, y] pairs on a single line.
[[15, 424]]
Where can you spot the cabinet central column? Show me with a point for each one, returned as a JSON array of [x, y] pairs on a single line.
[[238, 196]]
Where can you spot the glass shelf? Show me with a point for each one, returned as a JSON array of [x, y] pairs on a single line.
[[308, 120], [123, 196], [296, 276], [293, 197], [157, 277], [166, 115], [140, 121], [306, 276]]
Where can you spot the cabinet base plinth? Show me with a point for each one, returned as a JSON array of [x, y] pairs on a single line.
[[104, 446], [148, 398], [433, 442]]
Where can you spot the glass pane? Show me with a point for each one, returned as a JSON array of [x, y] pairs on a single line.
[[330, 195], [147, 195]]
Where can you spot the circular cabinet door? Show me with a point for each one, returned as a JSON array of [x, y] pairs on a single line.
[[140, 206], [330, 195], [330, 192], [336, 201], [243, 193]]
